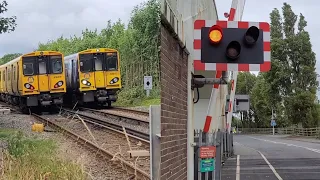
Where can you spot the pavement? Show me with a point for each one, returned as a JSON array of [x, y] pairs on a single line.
[[267, 157]]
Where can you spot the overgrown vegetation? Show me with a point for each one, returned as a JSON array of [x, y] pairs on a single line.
[[138, 44], [290, 87], [34, 159]]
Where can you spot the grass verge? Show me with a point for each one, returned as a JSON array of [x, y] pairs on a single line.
[[139, 102], [137, 97], [31, 158]]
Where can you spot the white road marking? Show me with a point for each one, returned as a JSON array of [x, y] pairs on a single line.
[[266, 160], [238, 168], [271, 167], [287, 144]]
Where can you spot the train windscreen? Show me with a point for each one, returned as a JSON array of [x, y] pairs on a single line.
[[86, 62], [56, 64], [112, 61], [29, 64]]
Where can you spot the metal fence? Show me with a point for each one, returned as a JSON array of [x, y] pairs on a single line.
[[207, 165], [310, 132]]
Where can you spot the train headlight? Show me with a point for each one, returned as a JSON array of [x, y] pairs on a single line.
[[58, 84], [85, 82], [28, 86], [114, 80]]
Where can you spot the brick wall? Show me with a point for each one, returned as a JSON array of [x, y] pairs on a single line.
[[173, 68]]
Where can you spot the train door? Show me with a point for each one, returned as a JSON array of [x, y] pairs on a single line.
[[9, 89], [4, 80], [43, 74], [15, 80], [74, 77], [12, 78], [99, 74]]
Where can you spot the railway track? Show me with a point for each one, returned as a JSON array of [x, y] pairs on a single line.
[[136, 117], [114, 134], [122, 109], [123, 162], [141, 136]]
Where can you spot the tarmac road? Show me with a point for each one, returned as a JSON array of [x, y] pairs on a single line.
[[267, 157]]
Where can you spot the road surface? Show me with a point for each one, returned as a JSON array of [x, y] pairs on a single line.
[[267, 157]]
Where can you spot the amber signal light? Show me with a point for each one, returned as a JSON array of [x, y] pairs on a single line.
[[215, 34]]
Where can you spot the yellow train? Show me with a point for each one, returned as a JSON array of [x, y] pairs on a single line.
[[35, 79], [93, 77]]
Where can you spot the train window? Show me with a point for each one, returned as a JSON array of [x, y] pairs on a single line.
[[112, 62], [56, 64], [98, 62], [9, 74], [42, 67], [4, 75], [14, 73], [28, 69], [86, 64], [0, 75]]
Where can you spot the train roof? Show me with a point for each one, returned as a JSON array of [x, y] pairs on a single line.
[[93, 50], [34, 53]]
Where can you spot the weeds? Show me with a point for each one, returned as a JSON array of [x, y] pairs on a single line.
[[35, 159], [137, 97]]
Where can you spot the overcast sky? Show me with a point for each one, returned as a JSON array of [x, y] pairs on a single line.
[[39, 21], [42, 20]]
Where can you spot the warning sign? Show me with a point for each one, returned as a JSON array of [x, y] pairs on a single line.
[[208, 152]]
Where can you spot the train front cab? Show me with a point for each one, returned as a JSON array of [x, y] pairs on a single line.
[[99, 75], [43, 78]]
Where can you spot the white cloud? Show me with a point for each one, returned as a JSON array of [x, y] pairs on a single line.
[[39, 21]]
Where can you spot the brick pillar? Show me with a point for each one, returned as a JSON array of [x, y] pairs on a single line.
[[173, 68]]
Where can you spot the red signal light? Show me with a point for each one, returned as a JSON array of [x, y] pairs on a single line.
[[215, 34]]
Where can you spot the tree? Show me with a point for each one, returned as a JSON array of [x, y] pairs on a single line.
[[292, 81], [245, 83], [6, 24], [8, 57], [289, 88], [138, 45]]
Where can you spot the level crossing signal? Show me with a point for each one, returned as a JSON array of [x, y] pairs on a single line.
[[232, 45]]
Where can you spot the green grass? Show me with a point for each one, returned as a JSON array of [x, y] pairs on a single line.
[[31, 158], [138, 102], [6, 133], [137, 97]]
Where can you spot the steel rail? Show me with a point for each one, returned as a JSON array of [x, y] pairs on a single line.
[[120, 116], [141, 136]]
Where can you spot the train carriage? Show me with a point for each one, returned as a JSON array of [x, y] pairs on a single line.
[[33, 79], [93, 77]]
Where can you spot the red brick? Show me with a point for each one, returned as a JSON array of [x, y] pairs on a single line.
[[173, 70]]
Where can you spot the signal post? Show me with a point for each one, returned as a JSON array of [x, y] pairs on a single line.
[[229, 46]]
